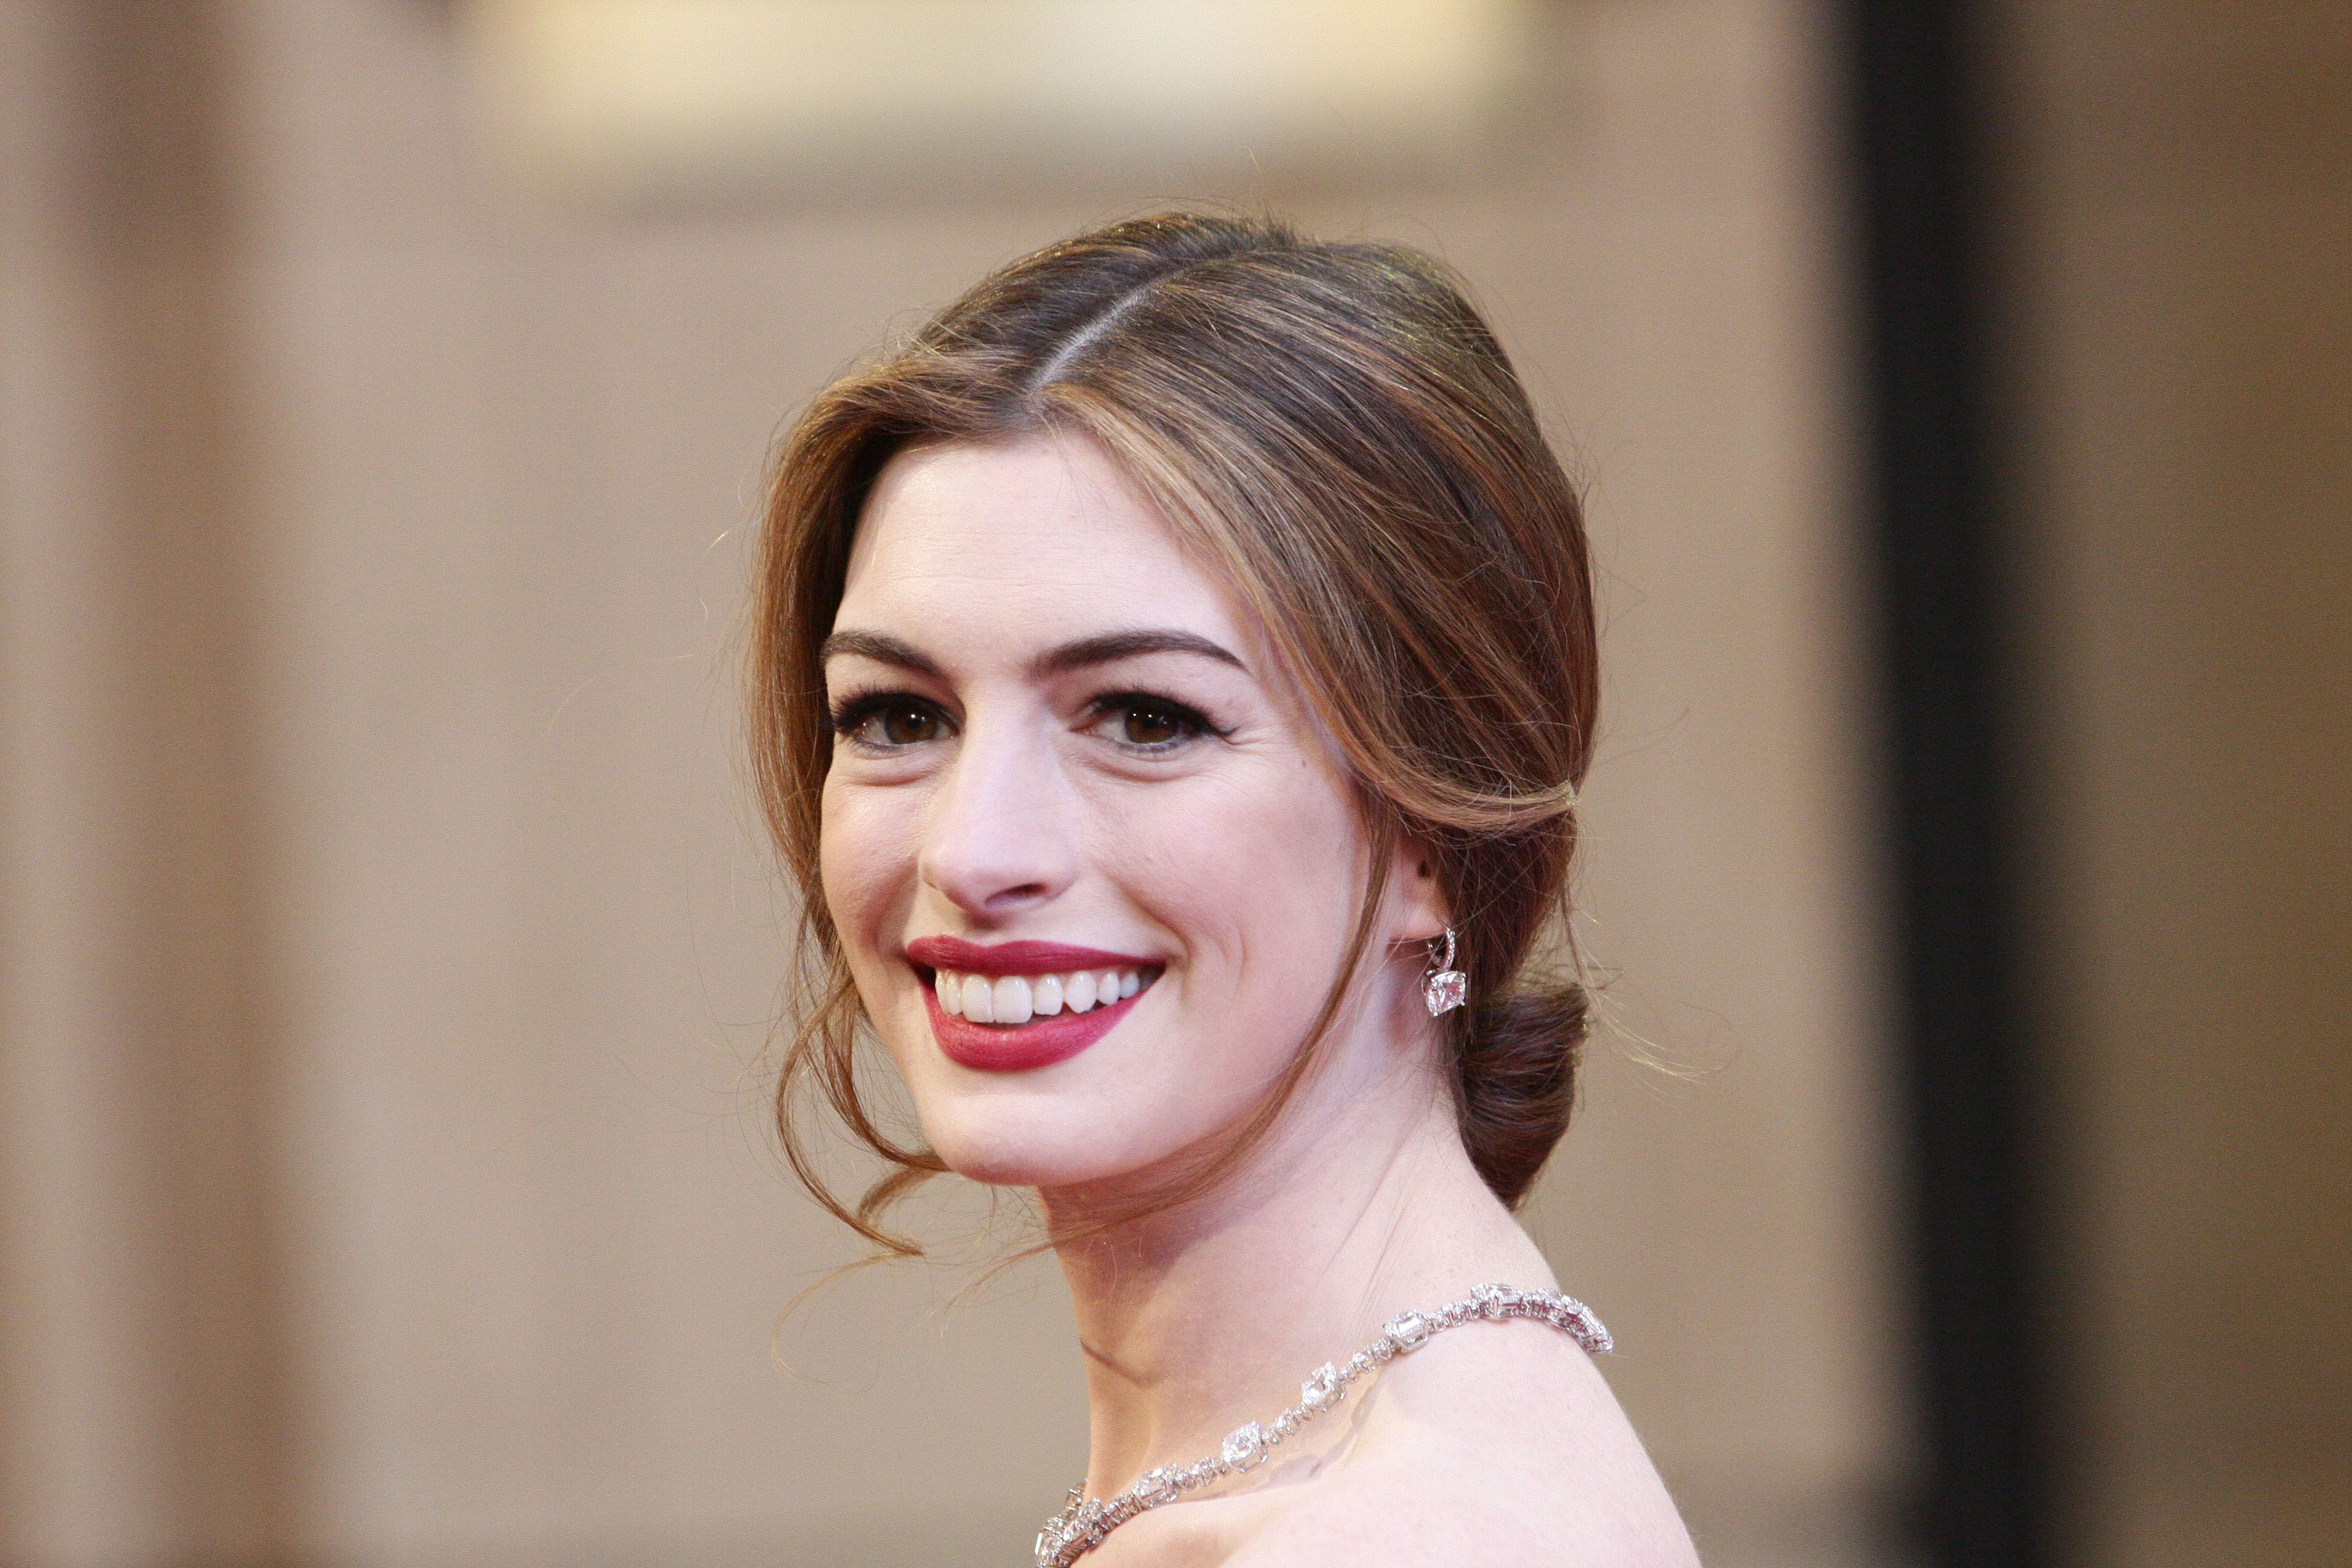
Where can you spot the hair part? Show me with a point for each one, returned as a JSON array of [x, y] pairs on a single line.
[[1332, 428]]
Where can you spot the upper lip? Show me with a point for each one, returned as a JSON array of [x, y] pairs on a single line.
[[962, 957]]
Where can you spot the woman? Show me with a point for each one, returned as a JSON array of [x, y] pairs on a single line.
[[1171, 672]]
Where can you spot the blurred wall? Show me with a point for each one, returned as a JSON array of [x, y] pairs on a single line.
[[387, 954], [143, 1376], [2178, 255]]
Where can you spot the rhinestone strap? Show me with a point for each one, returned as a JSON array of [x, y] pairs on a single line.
[[1081, 1525]]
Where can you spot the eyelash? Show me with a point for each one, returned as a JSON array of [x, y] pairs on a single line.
[[851, 711], [850, 714], [1190, 722]]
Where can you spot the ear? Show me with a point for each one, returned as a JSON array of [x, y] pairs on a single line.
[[1418, 910]]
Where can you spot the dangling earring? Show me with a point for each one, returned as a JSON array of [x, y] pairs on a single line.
[[1447, 987]]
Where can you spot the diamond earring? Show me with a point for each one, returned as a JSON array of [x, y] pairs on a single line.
[[1447, 987]]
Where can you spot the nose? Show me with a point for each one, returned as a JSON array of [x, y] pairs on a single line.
[[996, 841]]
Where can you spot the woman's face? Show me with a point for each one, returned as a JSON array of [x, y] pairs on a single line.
[[1062, 753]]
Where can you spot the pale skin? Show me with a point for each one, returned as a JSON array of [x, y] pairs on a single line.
[[1182, 806]]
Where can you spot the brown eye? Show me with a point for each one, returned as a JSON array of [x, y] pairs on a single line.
[[1150, 725], [906, 726]]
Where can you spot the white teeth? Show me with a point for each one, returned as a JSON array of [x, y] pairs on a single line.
[[978, 1001], [1014, 999]]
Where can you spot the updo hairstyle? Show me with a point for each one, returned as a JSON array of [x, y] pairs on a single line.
[[1332, 429]]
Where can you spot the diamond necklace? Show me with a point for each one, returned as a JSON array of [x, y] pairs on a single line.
[[1081, 1525]]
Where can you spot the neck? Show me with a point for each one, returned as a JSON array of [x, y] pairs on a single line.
[[1360, 1205]]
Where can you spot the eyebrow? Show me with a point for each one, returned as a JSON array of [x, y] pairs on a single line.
[[1089, 651], [881, 649], [1061, 659]]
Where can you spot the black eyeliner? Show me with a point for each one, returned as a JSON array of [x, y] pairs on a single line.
[[848, 712], [1184, 712]]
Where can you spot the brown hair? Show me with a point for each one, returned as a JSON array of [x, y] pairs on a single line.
[[1332, 427]]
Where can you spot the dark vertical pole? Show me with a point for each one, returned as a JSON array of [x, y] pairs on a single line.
[[1913, 75], [193, 1043]]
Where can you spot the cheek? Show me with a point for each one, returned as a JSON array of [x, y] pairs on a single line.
[[1259, 882], [864, 854]]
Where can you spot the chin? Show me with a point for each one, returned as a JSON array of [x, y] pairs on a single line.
[[1102, 1115], [1031, 1139], [1084, 1118]]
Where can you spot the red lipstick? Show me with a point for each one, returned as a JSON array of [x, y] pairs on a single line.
[[1039, 1043], [1016, 957]]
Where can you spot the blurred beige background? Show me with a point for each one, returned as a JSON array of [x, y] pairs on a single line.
[[2178, 251], [387, 954]]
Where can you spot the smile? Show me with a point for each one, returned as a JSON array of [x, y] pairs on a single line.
[[1011, 1000], [1014, 1005]]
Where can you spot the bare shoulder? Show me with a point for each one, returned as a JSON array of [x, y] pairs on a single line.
[[1501, 1448]]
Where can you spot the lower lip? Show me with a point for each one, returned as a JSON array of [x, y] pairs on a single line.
[[1040, 1043]]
